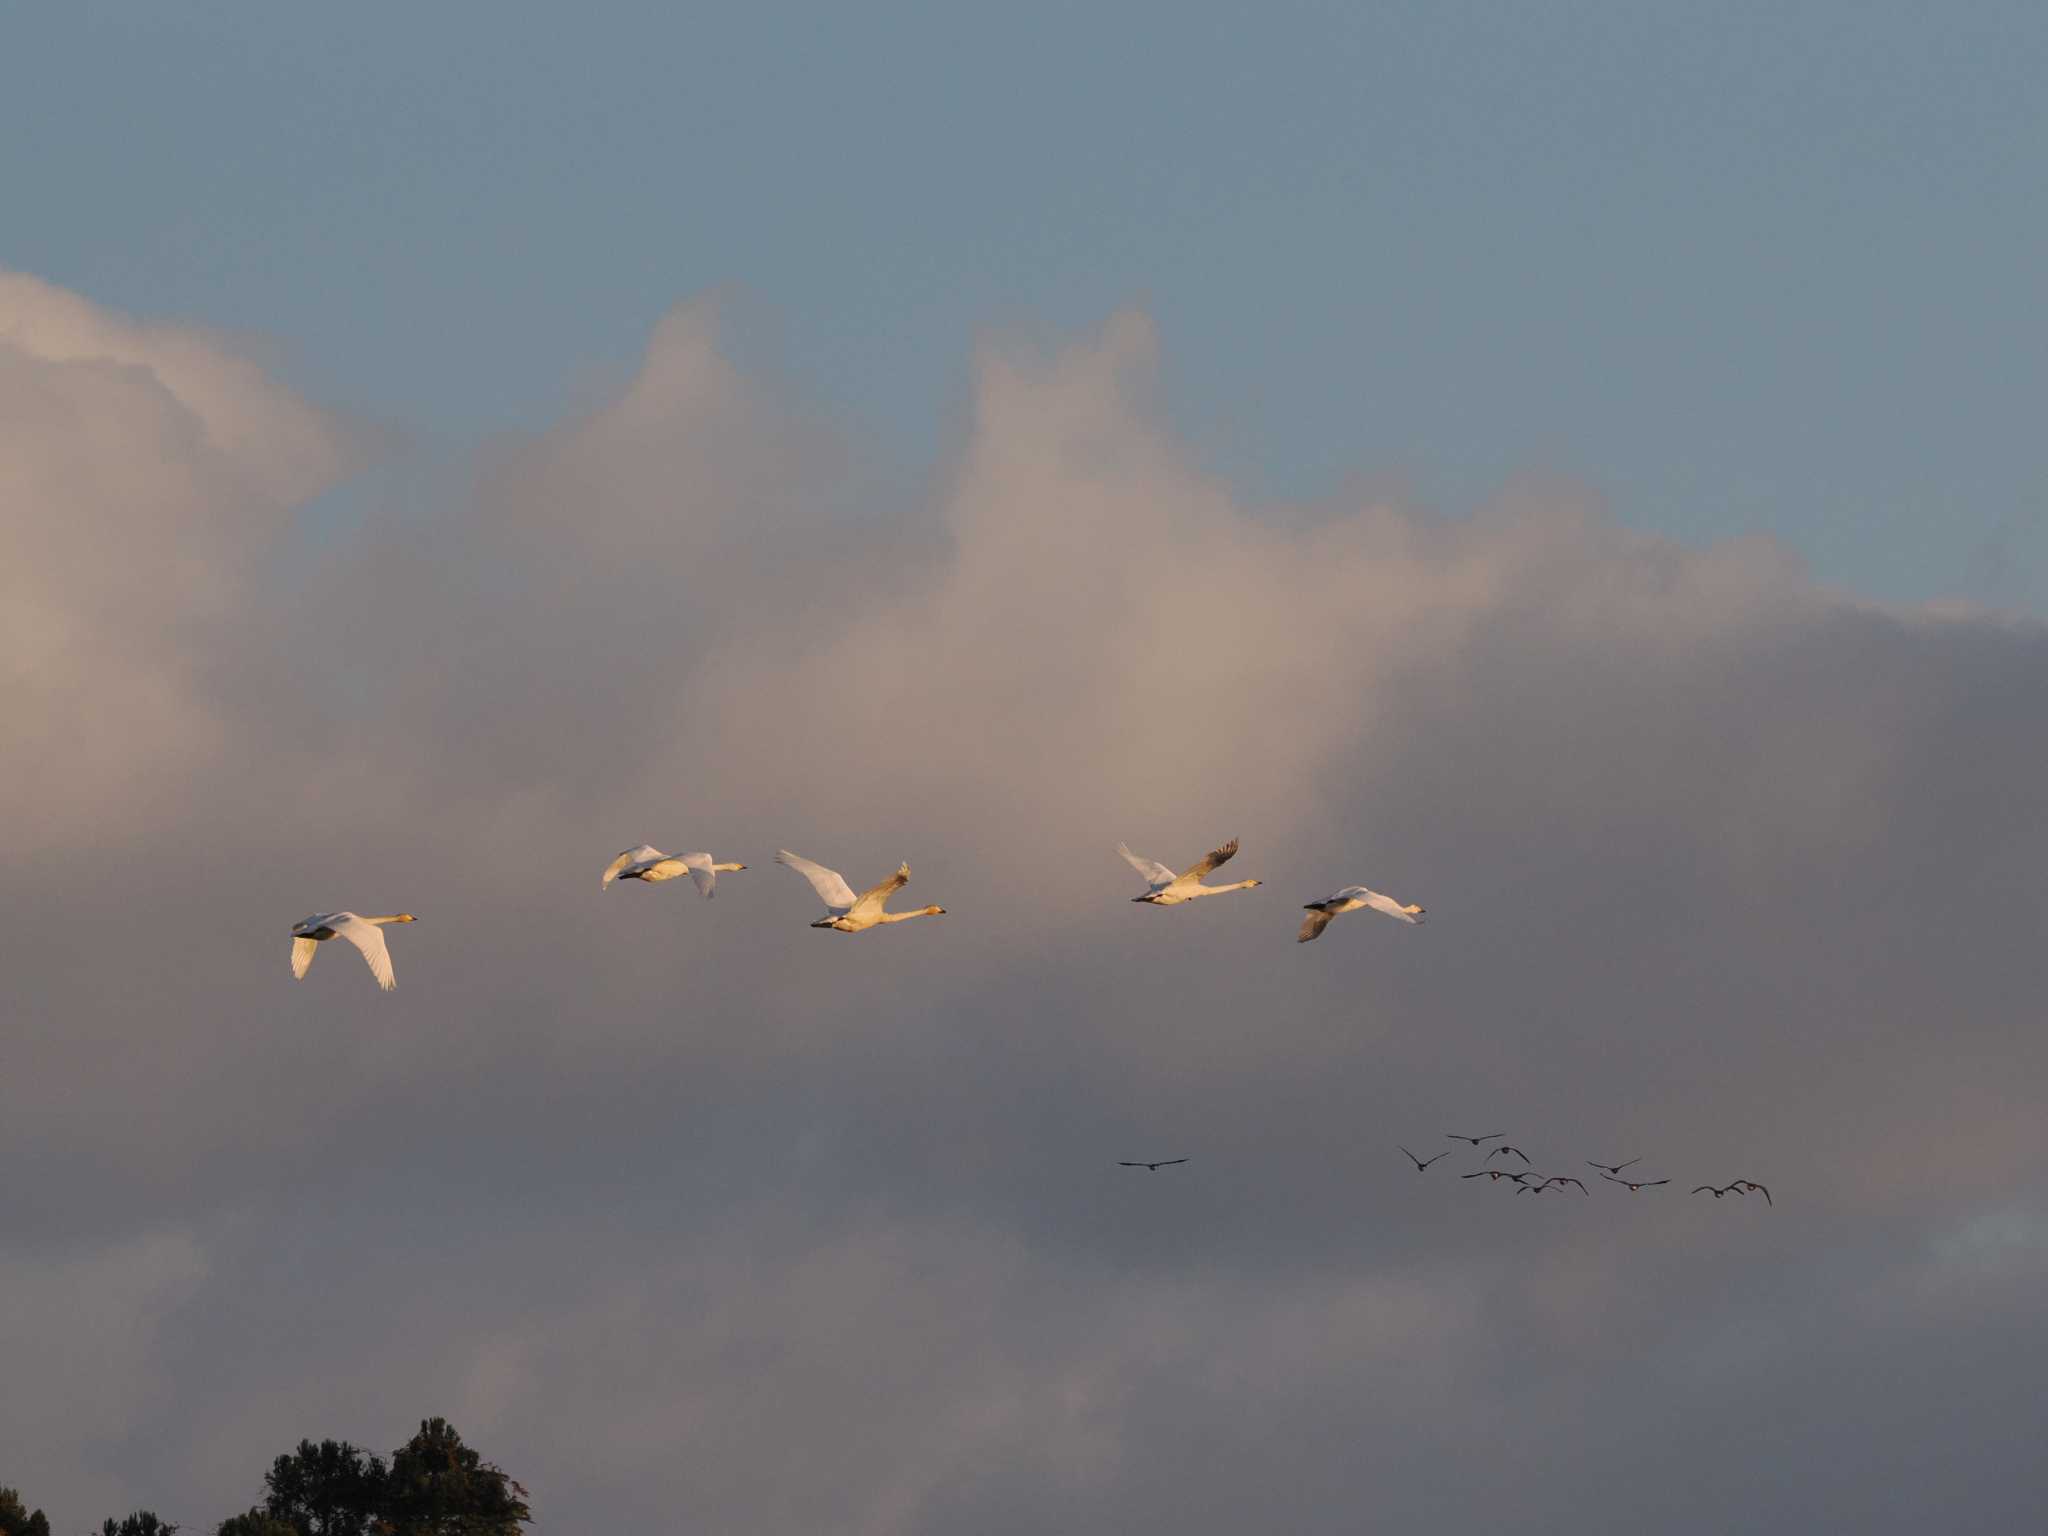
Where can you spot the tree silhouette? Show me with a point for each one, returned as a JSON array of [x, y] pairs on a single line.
[[143, 1522], [256, 1522], [329, 1489], [15, 1519], [440, 1487]]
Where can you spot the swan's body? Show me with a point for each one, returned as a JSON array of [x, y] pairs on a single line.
[[1169, 889], [366, 933], [1350, 899], [652, 865], [845, 911]]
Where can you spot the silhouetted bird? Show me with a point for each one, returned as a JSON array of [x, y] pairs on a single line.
[[1494, 1173], [1633, 1185], [1504, 1147], [1749, 1186], [1613, 1167], [1419, 1163], [1562, 1180], [1154, 1167], [1475, 1140]]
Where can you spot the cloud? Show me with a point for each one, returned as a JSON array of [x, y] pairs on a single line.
[[682, 1206]]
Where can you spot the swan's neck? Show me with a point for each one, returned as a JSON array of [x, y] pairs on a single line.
[[904, 917], [728, 866], [390, 917], [1218, 890]]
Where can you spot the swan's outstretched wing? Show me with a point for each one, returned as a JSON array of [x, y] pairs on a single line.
[[1211, 860], [702, 875], [1154, 874], [303, 950], [630, 856], [369, 938], [1312, 925], [830, 885], [873, 898], [1377, 902]]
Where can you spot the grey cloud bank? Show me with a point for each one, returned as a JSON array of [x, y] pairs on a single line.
[[695, 1218]]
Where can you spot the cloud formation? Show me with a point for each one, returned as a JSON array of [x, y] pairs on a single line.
[[691, 1215]]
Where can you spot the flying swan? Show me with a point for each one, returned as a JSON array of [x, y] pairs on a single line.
[[366, 933], [652, 865], [847, 912], [1350, 899], [1170, 890]]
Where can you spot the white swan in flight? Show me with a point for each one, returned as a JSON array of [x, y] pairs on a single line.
[[850, 913], [1350, 899], [652, 865], [1170, 890], [366, 933]]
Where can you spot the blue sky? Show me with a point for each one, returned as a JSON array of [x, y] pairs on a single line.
[[1740, 267]]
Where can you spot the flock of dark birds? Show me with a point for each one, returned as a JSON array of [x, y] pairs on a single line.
[[1526, 1180]]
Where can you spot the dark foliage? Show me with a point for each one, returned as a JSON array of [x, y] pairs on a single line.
[[329, 1489], [15, 1519], [440, 1487], [142, 1523]]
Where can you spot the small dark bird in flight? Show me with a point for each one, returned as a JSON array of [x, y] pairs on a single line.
[[1750, 1186], [1562, 1180], [1708, 1189], [1154, 1167], [1475, 1140], [1613, 1167], [1495, 1174], [1633, 1186], [1418, 1162], [1504, 1147]]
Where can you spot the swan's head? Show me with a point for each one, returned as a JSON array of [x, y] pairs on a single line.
[[934, 911], [1249, 883], [1412, 910], [405, 917]]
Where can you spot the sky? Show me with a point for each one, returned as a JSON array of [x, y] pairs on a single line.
[[1575, 469]]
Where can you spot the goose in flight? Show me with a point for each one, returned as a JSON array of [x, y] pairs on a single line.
[[845, 911], [1350, 899], [1504, 1147], [1419, 1163], [1171, 1162], [1633, 1185], [1475, 1140], [1170, 890], [1751, 1187], [1496, 1174], [366, 933], [1708, 1189], [1560, 1179], [652, 865], [1613, 1167]]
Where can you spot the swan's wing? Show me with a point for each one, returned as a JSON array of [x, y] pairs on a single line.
[[1211, 860], [702, 875], [1379, 903], [1154, 874], [1312, 925], [873, 898], [630, 856], [302, 955], [369, 938], [830, 885]]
